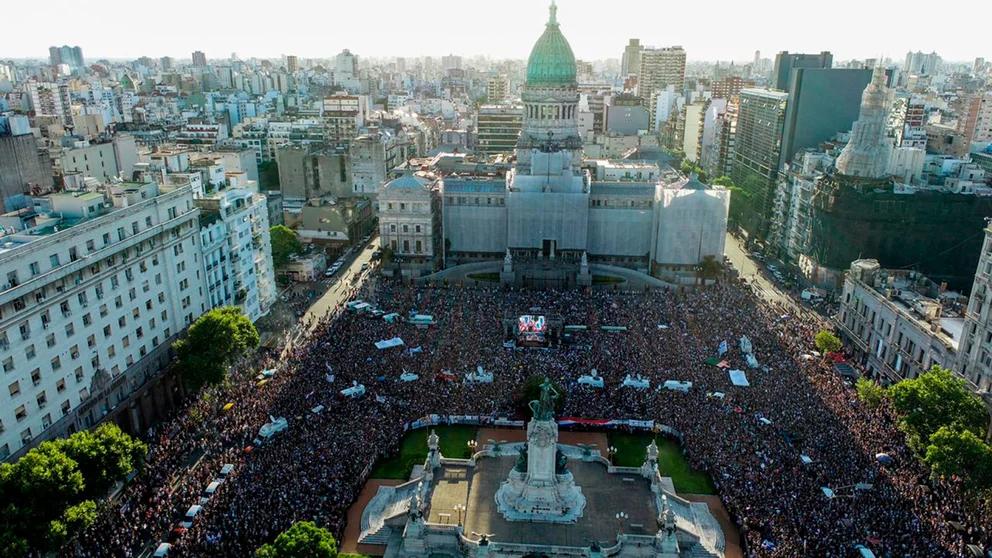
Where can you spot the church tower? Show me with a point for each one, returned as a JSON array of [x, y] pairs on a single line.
[[867, 153]]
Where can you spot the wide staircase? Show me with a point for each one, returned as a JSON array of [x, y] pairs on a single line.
[[388, 503]]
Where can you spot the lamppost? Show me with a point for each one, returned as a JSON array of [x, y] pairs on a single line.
[[611, 451], [460, 508], [472, 444], [621, 517]]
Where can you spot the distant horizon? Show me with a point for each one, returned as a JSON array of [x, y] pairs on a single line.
[[106, 29]]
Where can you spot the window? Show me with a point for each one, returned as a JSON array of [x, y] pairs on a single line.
[[21, 413], [56, 363], [8, 364], [14, 389], [36, 376], [60, 385], [42, 400], [54, 259], [79, 374], [90, 246], [70, 330], [50, 340], [35, 268]]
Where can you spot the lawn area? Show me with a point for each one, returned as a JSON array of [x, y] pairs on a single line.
[[631, 449], [413, 450], [485, 277], [606, 280]]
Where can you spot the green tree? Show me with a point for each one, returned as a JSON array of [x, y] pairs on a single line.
[[303, 540], [73, 521], [44, 480], [724, 181], [871, 393], [952, 451], [935, 399], [213, 341], [105, 455], [710, 267], [827, 342], [285, 243]]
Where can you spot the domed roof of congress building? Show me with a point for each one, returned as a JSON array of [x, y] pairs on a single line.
[[551, 61]]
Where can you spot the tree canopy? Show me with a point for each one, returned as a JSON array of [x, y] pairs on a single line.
[[870, 393], [285, 243], [827, 342], [952, 451], [104, 455], [935, 399], [303, 540], [213, 341], [46, 496]]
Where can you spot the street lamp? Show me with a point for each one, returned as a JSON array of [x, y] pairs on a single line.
[[472, 444], [460, 508], [621, 517], [611, 451]]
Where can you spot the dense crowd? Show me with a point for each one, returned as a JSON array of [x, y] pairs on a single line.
[[315, 469]]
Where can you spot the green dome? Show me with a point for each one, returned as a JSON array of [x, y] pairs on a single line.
[[551, 61]]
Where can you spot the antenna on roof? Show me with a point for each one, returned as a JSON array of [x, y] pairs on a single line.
[[553, 20]]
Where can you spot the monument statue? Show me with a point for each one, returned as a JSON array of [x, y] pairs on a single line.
[[544, 408], [540, 487]]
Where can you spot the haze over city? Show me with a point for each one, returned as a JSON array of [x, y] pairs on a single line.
[[517, 279], [720, 30]]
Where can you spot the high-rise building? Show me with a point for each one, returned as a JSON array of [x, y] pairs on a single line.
[[757, 150], [497, 89], [631, 61], [921, 64], [343, 117], [869, 149], [660, 69], [51, 99], [975, 352], [292, 63], [498, 127], [975, 119], [451, 62], [199, 59], [165, 62], [785, 62], [822, 102], [729, 86], [23, 168], [237, 252], [93, 305], [65, 54]]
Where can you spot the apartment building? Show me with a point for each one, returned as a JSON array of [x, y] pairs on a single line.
[[896, 323], [237, 251], [94, 288]]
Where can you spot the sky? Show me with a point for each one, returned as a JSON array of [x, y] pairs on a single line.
[[708, 30]]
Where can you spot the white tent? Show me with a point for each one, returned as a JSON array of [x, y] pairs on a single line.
[[593, 380], [739, 378], [636, 382], [389, 343], [676, 385], [409, 376]]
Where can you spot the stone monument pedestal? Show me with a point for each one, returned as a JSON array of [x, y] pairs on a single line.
[[539, 487]]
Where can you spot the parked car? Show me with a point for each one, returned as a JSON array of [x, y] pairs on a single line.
[[190, 516]]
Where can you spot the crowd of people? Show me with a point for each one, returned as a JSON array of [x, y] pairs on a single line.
[[315, 469]]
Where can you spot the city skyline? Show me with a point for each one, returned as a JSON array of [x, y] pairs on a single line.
[[452, 29]]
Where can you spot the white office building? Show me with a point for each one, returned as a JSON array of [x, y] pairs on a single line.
[[94, 288]]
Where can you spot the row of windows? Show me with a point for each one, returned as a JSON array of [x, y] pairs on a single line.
[[405, 228], [72, 255], [465, 200]]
